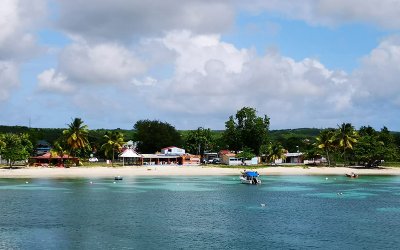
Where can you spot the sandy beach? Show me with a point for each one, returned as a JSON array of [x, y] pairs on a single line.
[[105, 172]]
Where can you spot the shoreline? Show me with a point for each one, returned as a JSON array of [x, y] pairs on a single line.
[[132, 171]]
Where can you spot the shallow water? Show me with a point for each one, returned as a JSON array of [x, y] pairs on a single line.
[[285, 212]]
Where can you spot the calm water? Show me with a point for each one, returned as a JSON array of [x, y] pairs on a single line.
[[300, 212]]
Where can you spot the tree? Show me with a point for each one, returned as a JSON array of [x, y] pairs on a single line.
[[369, 150], [231, 135], [246, 154], [76, 135], [15, 147], [246, 130], [115, 141], [273, 151], [346, 137], [59, 150], [155, 135], [198, 141], [325, 142]]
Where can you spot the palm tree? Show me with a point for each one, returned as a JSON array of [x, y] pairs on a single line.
[[76, 135], [272, 151], [346, 138], [59, 151], [115, 140], [325, 141]]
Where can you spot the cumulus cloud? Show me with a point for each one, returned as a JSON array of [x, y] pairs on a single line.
[[17, 19], [127, 19], [8, 78], [51, 81], [83, 64], [214, 77], [377, 78], [334, 12], [17, 42], [99, 63]]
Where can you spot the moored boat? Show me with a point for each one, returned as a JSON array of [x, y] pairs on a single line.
[[250, 177], [352, 175]]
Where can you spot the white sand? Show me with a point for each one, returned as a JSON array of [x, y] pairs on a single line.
[[98, 172]]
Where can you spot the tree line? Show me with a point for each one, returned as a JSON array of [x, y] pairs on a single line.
[[245, 133]]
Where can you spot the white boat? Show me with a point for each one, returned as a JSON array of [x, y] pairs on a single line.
[[250, 177]]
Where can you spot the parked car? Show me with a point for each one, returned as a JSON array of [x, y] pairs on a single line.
[[216, 161]]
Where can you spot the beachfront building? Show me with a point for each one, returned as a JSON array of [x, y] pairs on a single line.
[[130, 157], [52, 160], [172, 151], [230, 159], [291, 158]]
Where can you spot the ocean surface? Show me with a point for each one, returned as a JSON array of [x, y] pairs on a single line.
[[284, 212]]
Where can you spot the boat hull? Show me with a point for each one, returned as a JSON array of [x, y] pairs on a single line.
[[253, 181]]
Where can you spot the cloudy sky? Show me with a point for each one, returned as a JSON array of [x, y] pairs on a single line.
[[192, 63]]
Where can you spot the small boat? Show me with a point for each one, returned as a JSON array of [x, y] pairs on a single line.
[[250, 177], [118, 178], [352, 175]]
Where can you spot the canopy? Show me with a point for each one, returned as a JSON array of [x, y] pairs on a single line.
[[130, 153], [251, 173]]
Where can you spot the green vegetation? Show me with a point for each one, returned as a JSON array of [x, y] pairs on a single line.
[[76, 137], [245, 133], [155, 135], [15, 147], [115, 141], [246, 130]]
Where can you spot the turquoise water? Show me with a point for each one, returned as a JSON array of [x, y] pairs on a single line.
[[285, 212]]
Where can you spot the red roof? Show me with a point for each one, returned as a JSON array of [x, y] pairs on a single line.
[[49, 156]]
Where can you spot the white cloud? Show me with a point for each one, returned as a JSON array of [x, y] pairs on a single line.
[[213, 77], [334, 12], [99, 63], [17, 42], [378, 77], [8, 78], [202, 52], [17, 19], [51, 81], [82, 64]]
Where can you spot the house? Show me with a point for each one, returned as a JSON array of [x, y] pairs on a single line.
[[42, 147], [172, 151], [229, 158], [291, 158]]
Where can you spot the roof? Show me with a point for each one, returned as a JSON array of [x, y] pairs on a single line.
[[130, 153], [160, 156], [49, 156], [170, 147], [251, 173], [224, 152]]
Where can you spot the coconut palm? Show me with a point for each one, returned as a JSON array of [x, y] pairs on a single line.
[[272, 151], [115, 141], [346, 137], [76, 135], [325, 141], [60, 151]]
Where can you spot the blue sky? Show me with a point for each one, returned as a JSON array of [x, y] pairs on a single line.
[[310, 63]]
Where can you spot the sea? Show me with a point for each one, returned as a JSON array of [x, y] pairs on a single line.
[[205, 212]]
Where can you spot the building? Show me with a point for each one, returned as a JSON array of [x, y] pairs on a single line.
[[42, 147], [291, 158], [172, 151]]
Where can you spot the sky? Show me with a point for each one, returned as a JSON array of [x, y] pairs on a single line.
[[193, 63]]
